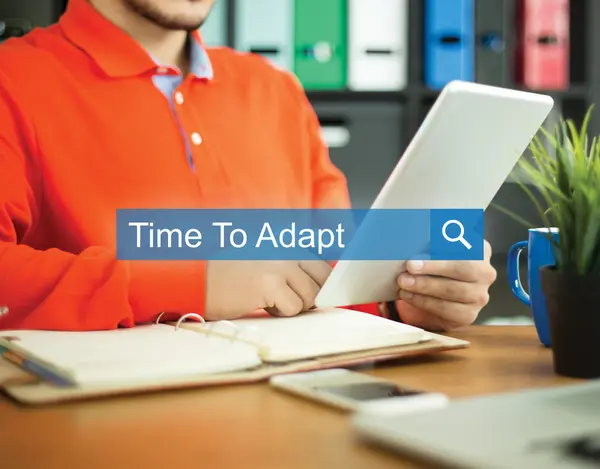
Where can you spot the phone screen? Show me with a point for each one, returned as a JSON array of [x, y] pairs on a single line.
[[368, 391]]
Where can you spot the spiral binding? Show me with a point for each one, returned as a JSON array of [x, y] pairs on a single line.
[[213, 331], [182, 319]]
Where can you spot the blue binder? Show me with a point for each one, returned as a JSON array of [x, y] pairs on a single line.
[[449, 41], [265, 27], [214, 29]]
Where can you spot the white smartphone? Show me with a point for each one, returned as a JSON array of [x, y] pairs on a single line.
[[358, 392]]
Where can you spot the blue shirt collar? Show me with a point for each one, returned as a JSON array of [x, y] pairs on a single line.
[[200, 64]]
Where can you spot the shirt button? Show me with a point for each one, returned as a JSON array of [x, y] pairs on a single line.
[[196, 138], [179, 97]]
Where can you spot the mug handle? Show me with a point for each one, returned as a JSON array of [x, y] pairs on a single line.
[[513, 272]]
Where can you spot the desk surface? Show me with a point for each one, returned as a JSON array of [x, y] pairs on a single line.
[[253, 425]]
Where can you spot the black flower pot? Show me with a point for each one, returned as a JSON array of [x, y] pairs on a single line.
[[573, 304]]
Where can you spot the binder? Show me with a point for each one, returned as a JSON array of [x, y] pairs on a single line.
[[214, 31], [449, 41], [320, 55], [18, 18], [490, 51], [352, 132], [14, 28], [265, 27], [544, 44], [154, 357], [35, 12], [377, 44]]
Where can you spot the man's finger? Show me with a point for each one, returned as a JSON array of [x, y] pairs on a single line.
[[304, 286], [466, 271], [487, 250], [444, 288], [317, 270], [446, 310], [285, 302]]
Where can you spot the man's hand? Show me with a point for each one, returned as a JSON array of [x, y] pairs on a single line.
[[445, 295], [282, 288]]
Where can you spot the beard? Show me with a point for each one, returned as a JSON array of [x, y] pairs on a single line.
[[157, 12]]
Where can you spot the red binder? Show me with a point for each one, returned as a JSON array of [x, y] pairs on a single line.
[[543, 58]]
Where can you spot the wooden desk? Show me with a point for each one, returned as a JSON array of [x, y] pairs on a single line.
[[252, 425]]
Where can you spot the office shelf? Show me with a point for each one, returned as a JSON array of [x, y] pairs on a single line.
[[349, 95], [584, 67], [356, 110]]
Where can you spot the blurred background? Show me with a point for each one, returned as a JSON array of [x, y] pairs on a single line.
[[373, 68]]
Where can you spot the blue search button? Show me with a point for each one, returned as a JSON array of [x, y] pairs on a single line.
[[457, 234]]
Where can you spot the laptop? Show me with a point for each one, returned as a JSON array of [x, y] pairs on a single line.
[[549, 428]]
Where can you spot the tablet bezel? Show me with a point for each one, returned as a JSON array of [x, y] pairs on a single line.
[[352, 282]]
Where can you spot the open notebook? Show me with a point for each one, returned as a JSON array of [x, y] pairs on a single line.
[[73, 365]]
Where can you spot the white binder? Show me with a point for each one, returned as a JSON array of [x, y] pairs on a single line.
[[266, 27], [378, 45]]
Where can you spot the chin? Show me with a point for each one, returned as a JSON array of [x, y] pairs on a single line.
[[174, 14], [181, 24]]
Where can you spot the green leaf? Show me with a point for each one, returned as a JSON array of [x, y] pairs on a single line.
[[567, 195]]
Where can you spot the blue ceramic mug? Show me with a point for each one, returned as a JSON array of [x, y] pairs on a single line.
[[539, 254]]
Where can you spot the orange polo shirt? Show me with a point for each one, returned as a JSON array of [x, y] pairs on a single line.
[[84, 131]]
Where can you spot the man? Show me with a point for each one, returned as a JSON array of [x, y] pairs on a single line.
[[120, 106]]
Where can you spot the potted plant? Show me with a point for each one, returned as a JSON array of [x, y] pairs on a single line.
[[566, 177]]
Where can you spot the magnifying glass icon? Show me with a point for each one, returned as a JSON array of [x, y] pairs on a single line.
[[460, 237]]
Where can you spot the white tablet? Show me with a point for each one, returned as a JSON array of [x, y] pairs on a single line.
[[464, 150]]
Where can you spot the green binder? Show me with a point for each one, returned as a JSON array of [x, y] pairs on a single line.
[[320, 56]]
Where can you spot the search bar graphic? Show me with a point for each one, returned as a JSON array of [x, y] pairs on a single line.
[[457, 234], [460, 238], [300, 234]]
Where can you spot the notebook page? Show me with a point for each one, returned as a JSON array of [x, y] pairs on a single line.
[[143, 353], [318, 333]]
